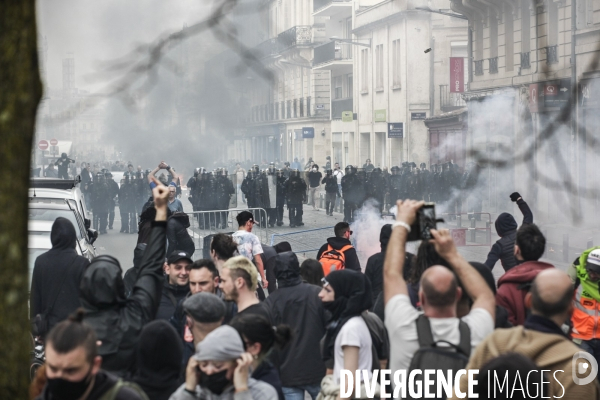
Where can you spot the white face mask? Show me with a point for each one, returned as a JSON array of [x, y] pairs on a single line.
[[314, 170]]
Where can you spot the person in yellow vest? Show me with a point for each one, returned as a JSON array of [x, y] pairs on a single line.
[[585, 274]]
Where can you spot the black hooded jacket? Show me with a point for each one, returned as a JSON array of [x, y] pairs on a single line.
[[506, 227], [177, 234], [158, 359], [374, 269], [350, 256], [117, 320], [298, 305], [61, 263], [171, 296], [131, 274]]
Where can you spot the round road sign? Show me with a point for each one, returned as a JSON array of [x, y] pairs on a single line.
[[53, 142], [43, 144]]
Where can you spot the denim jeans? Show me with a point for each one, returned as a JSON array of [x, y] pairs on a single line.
[[592, 347], [297, 392]]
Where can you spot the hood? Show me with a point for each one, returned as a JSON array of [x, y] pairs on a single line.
[[138, 254], [337, 243], [486, 274], [525, 272], [384, 236], [182, 218], [505, 223], [63, 236], [355, 287], [102, 284], [158, 364], [287, 269]]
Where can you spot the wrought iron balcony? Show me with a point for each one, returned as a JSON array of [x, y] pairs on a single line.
[[525, 60], [450, 101], [552, 54], [479, 67], [268, 48], [339, 106], [297, 36]]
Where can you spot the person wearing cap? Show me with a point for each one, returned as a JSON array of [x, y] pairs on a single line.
[[585, 275], [248, 243], [220, 370], [176, 283]]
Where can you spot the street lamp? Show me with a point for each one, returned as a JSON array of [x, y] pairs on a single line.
[[460, 16], [337, 39]]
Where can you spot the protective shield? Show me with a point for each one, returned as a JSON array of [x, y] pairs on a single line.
[[272, 190], [233, 199]]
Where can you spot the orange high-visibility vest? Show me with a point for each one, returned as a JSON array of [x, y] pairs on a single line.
[[586, 311]]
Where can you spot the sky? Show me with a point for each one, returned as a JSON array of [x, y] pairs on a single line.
[[103, 30]]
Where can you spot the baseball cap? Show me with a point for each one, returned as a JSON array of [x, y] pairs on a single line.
[[205, 307], [593, 261], [244, 217], [179, 255]]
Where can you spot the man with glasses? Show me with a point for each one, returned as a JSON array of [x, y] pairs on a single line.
[[585, 274], [340, 244]]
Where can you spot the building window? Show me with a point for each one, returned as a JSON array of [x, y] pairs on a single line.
[[493, 35], [379, 68], [525, 29], [494, 65], [479, 67], [364, 69], [396, 83], [509, 40], [552, 54], [337, 87], [350, 86]]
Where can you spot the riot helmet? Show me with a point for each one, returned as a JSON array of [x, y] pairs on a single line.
[[108, 175], [329, 172], [196, 171], [395, 170], [279, 173], [63, 155], [423, 165], [295, 173]]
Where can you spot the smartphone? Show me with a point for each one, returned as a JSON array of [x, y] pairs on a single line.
[[427, 221]]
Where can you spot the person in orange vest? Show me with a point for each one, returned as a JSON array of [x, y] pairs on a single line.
[[585, 274]]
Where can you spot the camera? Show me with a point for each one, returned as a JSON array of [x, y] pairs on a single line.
[[424, 223]]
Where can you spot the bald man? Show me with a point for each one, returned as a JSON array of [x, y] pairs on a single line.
[[542, 340], [438, 294]]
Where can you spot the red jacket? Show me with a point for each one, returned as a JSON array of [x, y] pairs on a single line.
[[510, 296]]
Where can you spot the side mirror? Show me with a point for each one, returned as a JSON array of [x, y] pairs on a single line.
[[92, 235], [87, 222]]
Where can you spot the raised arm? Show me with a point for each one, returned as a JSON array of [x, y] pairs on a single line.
[[471, 280], [147, 290], [393, 266], [525, 210]]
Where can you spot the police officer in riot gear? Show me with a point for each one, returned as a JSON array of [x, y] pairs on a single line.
[[295, 190], [63, 166], [351, 191], [225, 190], [101, 196], [376, 187], [271, 181], [331, 191], [395, 182], [281, 180], [127, 206], [425, 182], [113, 193]]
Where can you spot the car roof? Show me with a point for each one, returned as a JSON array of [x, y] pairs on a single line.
[[38, 225], [54, 193], [50, 206], [39, 242], [55, 183]]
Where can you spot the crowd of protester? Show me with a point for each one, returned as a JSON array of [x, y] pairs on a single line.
[[175, 328]]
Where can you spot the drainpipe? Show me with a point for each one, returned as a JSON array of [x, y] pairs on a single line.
[[574, 92]]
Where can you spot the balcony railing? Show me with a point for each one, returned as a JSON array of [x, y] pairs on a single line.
[[339, 106], [296, 36], [331, 51], [552, 54], [525, 63], [479, 67], [267, 48], [293, 108], [493, 65], [450, 101]]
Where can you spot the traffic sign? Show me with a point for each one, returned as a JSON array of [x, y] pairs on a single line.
[[53, 142], [43, 145]]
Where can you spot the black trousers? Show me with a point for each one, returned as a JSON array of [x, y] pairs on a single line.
[[296, 212], [111, 217], [350, 208], [272, 216], [279, 213], [101, 218], [133, 222], [125, 222]]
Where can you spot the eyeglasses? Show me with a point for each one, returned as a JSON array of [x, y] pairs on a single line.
[[351, 232]]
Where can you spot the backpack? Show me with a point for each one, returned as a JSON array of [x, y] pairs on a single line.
[[333, 260], [434, 357]]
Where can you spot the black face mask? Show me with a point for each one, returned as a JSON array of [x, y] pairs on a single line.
[[336, 307], [216, 383], [68, 390]]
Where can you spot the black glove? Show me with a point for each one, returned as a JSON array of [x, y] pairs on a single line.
[[515, 196]]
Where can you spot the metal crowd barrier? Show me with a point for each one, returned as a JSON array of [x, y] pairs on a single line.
[[465, 230], [205, 224], [306, 242]]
